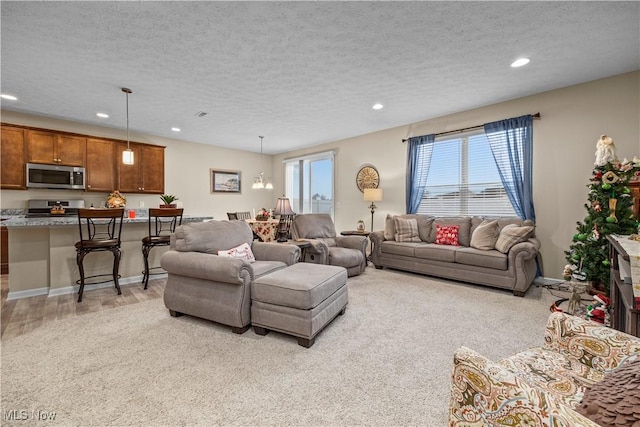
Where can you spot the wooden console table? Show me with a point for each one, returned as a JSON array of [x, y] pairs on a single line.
[[626, 310]]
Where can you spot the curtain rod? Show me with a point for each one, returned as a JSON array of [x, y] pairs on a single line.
[[535, 116]]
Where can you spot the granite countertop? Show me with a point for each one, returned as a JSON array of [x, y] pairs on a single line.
[[15, 221]]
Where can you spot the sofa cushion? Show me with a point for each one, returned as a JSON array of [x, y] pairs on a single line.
[[312, 226], [512, 234], [502, 221], [345, 257], [242, 252], [406, 229], [212, 236], [464, 224], [424, 226], [615, 401], [445, 253], [260, 268], [447, 235], [485, 235], [399, 248], [482, 258], [553, 373]]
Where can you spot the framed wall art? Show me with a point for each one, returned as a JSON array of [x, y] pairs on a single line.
[[224, 181]]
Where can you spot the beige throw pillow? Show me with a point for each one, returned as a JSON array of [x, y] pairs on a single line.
[[406, 230], [512, 234], [485, 235], [389, 228], [242, 252]]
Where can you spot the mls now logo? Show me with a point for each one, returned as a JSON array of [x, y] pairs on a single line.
[[15, 415], [23, 415]]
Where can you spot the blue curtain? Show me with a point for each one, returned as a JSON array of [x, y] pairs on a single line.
[[511, 145], [419, 159]]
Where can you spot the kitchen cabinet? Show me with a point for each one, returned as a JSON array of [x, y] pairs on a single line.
[[13, 155], [100, 165], [146, 175], [55, 148]]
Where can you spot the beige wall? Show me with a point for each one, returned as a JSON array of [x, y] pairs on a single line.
[[564, 144]]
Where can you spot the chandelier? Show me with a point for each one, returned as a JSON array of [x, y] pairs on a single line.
[[259, 181]]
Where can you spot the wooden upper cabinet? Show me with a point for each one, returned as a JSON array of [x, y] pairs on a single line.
[[100, 165], [146, 175], [55, 148], [12, 158]]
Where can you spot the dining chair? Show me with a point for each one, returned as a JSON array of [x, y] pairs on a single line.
[[243, 215], [162, 223], [100, 230]]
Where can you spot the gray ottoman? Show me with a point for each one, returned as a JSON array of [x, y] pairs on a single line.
[[299, 300]]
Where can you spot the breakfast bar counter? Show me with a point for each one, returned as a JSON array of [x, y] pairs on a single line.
[[42, 255]]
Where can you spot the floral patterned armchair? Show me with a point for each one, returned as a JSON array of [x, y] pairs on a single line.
[[540, 386]]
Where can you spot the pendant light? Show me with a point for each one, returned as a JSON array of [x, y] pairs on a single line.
[[127, 155], [258, 182]]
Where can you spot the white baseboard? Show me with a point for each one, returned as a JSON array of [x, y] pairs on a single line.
[[74, 288], [27, 294]]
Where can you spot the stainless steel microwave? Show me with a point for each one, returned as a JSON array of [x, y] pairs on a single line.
[[55, 176]]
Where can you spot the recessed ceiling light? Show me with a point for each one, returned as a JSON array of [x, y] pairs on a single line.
[[102, 115], [377, 106], [175, 129], [520, 62], [9, 97]]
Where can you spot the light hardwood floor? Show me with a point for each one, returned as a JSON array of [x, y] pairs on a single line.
[[20, 316]]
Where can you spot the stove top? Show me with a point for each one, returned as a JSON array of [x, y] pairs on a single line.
[[39, 208]]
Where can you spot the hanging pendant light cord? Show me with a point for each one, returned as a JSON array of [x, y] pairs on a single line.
[[127, 91], [261, 171]]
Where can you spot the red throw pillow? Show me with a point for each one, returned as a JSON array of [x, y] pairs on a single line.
[[447, 235]]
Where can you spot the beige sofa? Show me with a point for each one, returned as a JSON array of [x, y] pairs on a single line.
[[203, 284], [513, 268], [560, 383]]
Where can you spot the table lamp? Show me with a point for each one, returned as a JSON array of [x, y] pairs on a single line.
[[372, 195], [283, 208]]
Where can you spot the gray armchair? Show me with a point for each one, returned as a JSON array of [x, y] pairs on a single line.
[[203, 284], [327, 248]]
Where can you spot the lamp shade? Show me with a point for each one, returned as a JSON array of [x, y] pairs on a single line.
[[127, 157], [283, 207], [372, 194]]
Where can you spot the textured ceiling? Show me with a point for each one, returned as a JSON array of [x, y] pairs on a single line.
[[299, 73]]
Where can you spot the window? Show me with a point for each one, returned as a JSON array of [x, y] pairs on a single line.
[[309, 183], [463, 179]]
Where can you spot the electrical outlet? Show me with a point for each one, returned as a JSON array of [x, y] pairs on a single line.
[[142, 204]]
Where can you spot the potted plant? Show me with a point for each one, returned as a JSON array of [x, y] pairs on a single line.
[[168, 200]]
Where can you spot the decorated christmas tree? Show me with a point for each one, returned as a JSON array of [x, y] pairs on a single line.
[[609, 211]]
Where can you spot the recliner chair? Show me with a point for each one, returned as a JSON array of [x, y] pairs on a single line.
[[328, 248]]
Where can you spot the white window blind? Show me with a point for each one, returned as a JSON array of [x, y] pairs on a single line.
[[463, 179], [309, 183]]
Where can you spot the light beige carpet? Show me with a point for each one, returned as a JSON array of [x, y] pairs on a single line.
[[387, 361]]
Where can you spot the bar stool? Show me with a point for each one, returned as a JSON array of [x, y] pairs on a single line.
[[164, 221], [100, 230]]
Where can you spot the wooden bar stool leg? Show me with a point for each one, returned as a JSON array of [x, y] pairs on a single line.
[[79, 261], [116, 267], [145, 274]]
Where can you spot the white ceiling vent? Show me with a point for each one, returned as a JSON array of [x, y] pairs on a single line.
[[201, 114]]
